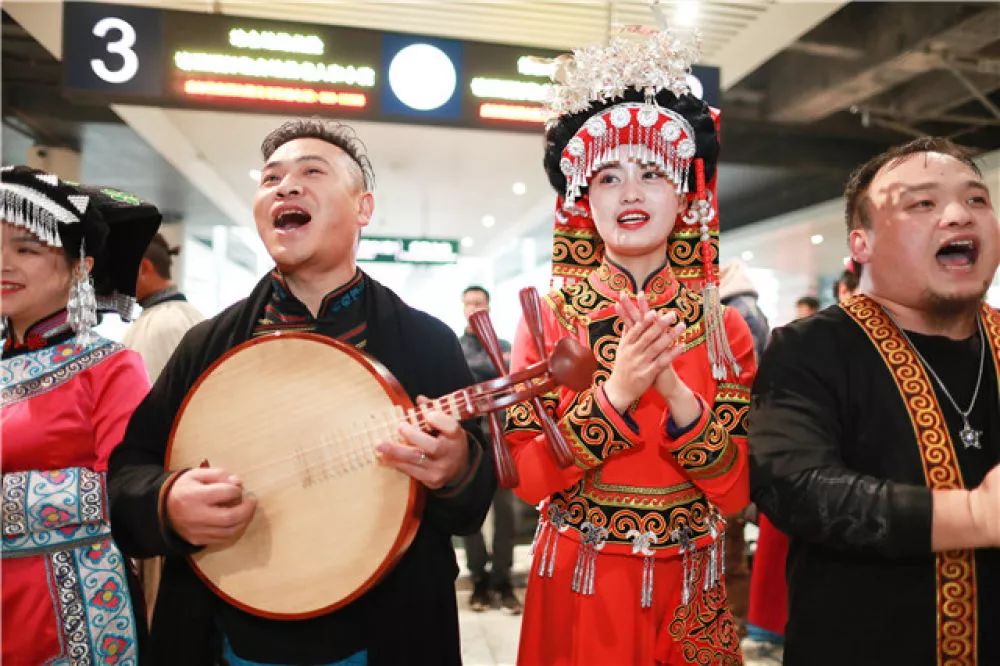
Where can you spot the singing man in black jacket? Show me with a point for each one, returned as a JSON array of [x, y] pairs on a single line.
[[313, 199], [875, 429]]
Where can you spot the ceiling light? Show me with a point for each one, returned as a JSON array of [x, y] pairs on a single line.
[[687, 13], [816, 239], [489, 221], [747, 255], [519, 188], [468, 242], [254, 175]]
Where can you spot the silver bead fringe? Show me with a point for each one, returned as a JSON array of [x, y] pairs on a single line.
[[547, 534], [642, 543], [593, 541], [82, 305]]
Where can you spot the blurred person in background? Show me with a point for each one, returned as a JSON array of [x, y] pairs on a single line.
[[736, 290], [166, 316], [768, 606], [66, 394], [497, 579], [805, 306], [848, 283]]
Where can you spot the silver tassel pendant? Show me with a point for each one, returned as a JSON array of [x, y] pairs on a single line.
[[558, 522], [721, 522], [720, 354], [711, 566], [682, 535], [82, 303], [539, 529], [642, 544], [593, 541]]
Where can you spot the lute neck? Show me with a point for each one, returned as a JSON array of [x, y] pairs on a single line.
[[459, 405]]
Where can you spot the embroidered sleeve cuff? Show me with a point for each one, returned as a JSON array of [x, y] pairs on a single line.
[[39, 501], [705, 449], [595, 430]]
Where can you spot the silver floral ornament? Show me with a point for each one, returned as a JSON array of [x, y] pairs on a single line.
[[620, 116], [670, 130]]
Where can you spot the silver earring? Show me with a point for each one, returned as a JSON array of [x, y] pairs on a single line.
[[82, 305]]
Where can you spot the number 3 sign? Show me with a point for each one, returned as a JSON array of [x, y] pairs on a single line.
[[121, 46], [113, 49]]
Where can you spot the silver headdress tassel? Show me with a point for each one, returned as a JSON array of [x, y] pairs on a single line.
[[702, 212], [82, 304]]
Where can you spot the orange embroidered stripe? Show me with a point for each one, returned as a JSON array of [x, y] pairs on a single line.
[[955, 570]]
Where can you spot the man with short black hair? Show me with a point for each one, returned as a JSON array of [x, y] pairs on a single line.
[[313, 200], [805, 306], [166, 314], [497, 580], [875, 429]]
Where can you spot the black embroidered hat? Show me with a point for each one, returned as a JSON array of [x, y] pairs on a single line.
[[114, 227]]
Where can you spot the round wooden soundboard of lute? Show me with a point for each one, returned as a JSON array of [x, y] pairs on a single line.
[[296, 417]]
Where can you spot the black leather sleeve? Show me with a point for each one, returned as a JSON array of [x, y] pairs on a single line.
[[800, 417], [850, 511]]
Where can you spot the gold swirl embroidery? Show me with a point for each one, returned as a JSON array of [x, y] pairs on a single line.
[[658, 286], [704, 629], [732, 417], [582, 298], [589, 432], [521, 416], [581, 250], [955, 570], [683, 254], [708, 454], [583, 506]]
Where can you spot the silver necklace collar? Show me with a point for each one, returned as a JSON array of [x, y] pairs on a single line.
[[969, 436]]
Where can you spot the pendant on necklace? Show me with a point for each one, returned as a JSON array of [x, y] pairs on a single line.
[[970, 437]]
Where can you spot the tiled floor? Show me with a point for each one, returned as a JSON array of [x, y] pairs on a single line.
[[490, 638]]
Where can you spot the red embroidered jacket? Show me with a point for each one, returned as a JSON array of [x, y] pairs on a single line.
[[634, 476]]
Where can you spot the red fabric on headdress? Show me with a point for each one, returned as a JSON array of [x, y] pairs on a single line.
[[577, 248]]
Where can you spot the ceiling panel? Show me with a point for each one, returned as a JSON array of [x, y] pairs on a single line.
[[554, 25]]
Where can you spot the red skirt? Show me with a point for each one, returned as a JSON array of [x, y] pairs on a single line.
[[563, 627], [768, 587], [31, 633]]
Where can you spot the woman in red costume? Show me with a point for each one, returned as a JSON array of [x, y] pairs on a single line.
[[66, 396], [628, 558]]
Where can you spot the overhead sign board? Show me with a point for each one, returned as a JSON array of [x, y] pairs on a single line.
[[117, 53], [404, 250]]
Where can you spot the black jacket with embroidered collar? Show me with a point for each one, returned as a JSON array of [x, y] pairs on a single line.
[[415, 603]]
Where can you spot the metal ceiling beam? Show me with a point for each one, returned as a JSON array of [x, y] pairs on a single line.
[[900, 45], [781, 24], [974, 91], [774, 145], [933, 94], [780, 198]]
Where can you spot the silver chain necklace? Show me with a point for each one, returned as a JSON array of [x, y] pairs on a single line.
[[969, 436]]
